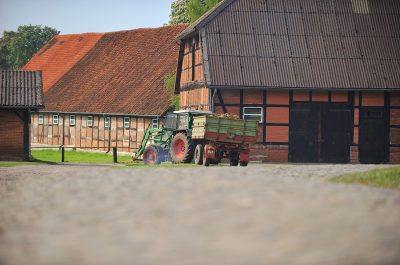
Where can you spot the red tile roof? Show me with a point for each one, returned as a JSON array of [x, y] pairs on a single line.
[[59, 55], [123, 73]]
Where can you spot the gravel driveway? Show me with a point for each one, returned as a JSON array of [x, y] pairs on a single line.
[[264, 214]]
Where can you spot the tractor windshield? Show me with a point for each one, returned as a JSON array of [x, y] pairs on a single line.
[[171, 121]]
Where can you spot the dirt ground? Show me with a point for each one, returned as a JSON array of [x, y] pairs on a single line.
[[264, 214]]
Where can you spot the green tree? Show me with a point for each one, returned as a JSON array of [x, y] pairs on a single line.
[[169, 82], [17, 48], [179, 12], [197, 8], [4, 49]]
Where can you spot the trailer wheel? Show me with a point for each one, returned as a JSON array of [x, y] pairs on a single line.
[[152, 155], [244, 163], [206, 161], [182, 149], [233, 159], [198, 154]]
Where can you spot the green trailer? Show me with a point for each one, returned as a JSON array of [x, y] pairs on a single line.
[[223, 137]]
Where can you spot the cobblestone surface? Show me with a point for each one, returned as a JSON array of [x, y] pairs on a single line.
[[264, 214]]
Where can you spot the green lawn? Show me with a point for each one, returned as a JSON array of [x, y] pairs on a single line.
[[384, 178], [54, 156], [16, 164], [76, 157]]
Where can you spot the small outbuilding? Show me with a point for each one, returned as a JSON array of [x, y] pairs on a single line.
[[21, 92]]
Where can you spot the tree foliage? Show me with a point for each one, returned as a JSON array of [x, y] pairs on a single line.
[[18, 47], [188, 11], [179, 12], [170, 86], [197, 8]]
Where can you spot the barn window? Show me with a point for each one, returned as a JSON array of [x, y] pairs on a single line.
[[89, 121], [107, 122], [154, 123], [253, 114], [55, 119], [127, 122], [41, 119], [72, 120], [360, 6]]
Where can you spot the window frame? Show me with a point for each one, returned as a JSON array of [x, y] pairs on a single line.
[[261, 115], [72, 118], [127, 121], [107, 122], [40, 119], [155, 123], [56, 119], [87, 121]]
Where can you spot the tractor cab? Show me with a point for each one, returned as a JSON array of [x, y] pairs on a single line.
[[182, 120]]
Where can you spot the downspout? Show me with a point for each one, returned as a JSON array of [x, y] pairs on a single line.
[[63, 131], [212, 100]]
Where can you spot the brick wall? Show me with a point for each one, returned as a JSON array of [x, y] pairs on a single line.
[[11, 136], [395, 155], [354, 154], [270, 153]]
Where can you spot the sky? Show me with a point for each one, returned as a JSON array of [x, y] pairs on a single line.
[[80, 16]]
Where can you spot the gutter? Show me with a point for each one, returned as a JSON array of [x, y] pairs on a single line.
[[304, 88], [103, 114]]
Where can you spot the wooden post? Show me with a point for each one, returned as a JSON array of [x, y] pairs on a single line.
[[62, 154], [115, 154]]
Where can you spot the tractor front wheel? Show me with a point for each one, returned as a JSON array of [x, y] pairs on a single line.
[[182, 149], [152, 155]]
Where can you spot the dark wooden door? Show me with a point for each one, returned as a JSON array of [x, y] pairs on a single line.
[[319, 133], [303, 133], [373, 135], [336, 133]]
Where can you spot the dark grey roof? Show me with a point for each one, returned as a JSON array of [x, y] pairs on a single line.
[[335, 44], [21, 89], [203, 20]]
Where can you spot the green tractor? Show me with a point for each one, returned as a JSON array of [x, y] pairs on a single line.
[[172, 142]]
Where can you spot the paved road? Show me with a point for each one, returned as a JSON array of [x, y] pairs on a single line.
[[266, 214]]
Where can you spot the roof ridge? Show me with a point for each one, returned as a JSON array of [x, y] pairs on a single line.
[[126, 30]]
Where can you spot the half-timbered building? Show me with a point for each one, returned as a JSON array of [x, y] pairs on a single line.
[[321, 77], [104, 90]]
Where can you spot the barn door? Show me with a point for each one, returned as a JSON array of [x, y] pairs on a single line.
[[303, 133], [373, 136], [336, 133]]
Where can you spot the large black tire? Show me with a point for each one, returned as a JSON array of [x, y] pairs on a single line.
[[233, 159], [182, 149], [198, 154], [206, 161], [244, 163], [152, 155]]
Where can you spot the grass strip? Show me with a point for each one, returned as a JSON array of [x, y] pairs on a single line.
[[382, 178]]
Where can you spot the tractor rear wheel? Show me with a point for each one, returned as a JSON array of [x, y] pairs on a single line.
[[182, 149], [198, 154], [152, 155]]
